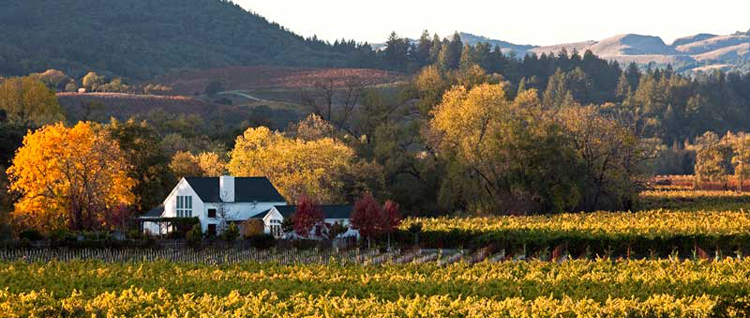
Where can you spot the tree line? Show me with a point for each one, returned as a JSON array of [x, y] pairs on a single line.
[[456, 139]]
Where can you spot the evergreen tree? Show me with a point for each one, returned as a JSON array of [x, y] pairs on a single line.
[[450, 55], [467, 58], [424, 46], [435, 49], [634, 75]]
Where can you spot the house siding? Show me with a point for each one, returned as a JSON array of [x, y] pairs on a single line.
[[238, 211], [234, 211]]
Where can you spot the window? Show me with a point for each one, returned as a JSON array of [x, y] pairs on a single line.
[[184, 206], [212, 213], [275, 228]]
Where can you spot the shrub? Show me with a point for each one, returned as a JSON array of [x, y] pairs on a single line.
[[195, 235], [31, 235], [135, 234], [261, 241], [62, 236], [231, 233]]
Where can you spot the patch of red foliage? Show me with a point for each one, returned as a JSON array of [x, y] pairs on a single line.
[[241, 78]]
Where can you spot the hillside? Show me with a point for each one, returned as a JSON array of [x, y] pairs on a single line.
[[102, 106], [142, 38], [698, 52], [507, 47], [691, 53], [242, 78]]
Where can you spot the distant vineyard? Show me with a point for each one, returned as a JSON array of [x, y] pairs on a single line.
[[687, 182], [101, 106], [239, 78], [641, 234]]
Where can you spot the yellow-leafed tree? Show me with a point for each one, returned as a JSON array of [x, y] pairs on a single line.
[[69, 177], [741, 158], [296, 167], [205, 164]]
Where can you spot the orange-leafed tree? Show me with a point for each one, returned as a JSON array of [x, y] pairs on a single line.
[[69, 177]]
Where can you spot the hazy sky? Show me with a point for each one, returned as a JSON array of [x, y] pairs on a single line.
[[539, 22]]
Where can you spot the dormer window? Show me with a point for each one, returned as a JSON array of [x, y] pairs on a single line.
[[184, 206]]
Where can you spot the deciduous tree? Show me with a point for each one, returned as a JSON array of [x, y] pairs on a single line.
[[741, 158], [211, 164], [710, 158], [92, 81], [28, 101], [306, 216], [367, 217], [185, 164], [295, 166], [390, 218], [504, 157], [69, 177], [150, 166]]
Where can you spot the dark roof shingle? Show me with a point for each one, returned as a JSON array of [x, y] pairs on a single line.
[[246, 189], [155, 212]]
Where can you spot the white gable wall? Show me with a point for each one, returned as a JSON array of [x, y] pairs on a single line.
[[183, 189], [273, 214], [237, 211]]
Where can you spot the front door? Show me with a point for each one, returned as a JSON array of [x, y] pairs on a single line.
[[212, 230]]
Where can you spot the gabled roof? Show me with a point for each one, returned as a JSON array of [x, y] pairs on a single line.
[[246, 189], [329, 211]]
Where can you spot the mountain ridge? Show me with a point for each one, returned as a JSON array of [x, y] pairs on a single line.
[[693, 52]]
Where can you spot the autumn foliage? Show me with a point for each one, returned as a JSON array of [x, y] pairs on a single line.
[[371, 219], [390, 217], [296, 167], [366, 217], [70, 177], [306, 216]]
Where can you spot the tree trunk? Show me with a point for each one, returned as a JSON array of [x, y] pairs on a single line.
[[389, 242]]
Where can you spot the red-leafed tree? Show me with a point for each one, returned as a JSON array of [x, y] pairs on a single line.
[[306, 216], [366, 217], [390, 219]]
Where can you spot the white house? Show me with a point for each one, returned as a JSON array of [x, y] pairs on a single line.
[[332, 214], [215, 201]]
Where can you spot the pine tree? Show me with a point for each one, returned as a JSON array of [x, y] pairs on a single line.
[[450, 55], [435, 49], [634, 75], [467, 58], [423, 48], [623, 86]]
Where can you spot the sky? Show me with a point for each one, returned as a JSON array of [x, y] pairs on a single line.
[[538, 22]]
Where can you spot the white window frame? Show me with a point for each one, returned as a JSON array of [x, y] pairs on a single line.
[[184, 206], [275, 227]]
